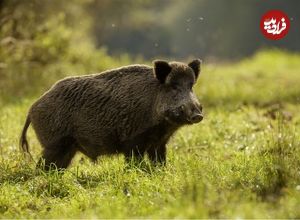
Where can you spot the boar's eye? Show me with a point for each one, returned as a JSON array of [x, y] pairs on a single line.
[[191, 85]]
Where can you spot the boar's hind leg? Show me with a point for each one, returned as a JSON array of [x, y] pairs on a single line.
[[157, 155], [58, 155]]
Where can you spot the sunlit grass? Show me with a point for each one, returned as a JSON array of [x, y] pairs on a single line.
[[242, 161]]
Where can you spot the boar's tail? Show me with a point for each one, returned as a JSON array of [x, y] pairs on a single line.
[[23, 140]]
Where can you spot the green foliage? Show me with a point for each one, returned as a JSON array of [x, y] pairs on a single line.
[[242, 161], [36, 49]]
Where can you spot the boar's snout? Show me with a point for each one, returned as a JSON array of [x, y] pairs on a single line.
[[196, 114], [196, 118], [188, 113]]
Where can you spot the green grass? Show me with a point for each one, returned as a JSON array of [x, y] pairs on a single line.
[[242, 161]]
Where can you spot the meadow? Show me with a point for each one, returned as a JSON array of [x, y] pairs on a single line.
[[241, 161]]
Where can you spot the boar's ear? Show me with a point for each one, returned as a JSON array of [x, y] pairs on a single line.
[[196, 66], [161, 70]]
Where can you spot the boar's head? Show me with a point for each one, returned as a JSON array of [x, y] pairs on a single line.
[[176, 101]]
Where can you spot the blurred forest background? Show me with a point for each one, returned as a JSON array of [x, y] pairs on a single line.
[[42, 41]]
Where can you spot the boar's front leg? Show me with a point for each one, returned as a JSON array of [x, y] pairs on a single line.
[[157, 154]]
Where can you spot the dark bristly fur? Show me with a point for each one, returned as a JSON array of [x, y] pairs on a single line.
[[131, 110]]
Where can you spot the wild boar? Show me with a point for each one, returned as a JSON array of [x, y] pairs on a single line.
[[132, 110]]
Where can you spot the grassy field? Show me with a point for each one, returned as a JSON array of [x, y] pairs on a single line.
[[242, 161]]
